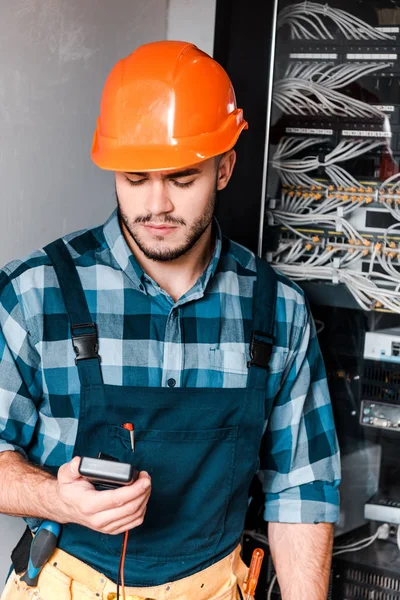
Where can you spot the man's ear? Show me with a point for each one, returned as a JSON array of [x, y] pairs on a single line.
[[225, 168]]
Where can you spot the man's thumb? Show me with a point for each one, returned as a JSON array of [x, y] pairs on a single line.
[[68, 472]]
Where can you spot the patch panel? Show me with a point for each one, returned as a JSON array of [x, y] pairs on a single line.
[[336, 214]]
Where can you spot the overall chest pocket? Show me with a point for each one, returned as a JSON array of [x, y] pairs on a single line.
[[192, 474]]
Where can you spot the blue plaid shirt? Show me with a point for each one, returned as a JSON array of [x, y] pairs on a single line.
[[198, 341]]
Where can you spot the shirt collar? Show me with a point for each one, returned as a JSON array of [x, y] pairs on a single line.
[[121, 251], [128, 263], [213, 264]]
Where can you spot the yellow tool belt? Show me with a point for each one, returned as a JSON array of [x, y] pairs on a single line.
[[65, 577]]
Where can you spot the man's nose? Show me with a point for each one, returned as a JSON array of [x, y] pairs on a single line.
[[158, 200]]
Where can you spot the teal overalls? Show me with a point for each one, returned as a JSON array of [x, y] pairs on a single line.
[[200, 446]]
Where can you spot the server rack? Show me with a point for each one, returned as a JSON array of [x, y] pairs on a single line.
[[317, 193]]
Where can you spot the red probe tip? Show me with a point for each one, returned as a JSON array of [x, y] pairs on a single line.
[[128, 426]]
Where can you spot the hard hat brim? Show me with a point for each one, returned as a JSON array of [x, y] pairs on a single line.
[[179, 153]]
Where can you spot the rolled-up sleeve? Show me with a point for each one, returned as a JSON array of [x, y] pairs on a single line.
[[18, 373], [300, 463]]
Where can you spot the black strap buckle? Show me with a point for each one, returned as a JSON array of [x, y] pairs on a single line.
[[86, 344], [260, 349]]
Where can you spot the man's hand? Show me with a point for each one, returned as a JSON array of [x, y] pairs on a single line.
[[109, 511]]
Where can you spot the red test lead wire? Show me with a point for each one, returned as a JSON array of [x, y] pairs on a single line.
[[122, 566]]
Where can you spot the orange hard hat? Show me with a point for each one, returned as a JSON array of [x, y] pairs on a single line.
[[165, 106]]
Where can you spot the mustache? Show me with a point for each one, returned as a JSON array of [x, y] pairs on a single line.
[[155, 221]]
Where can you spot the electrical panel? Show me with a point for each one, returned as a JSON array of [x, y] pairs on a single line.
[[372, 573], [383, 345], [331, 222], [329, 189], [332, 209], [380, 401]]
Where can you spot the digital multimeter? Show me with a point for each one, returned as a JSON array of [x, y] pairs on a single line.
[[106, 472]]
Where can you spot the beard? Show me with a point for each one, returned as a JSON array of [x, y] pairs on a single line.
[[165, 254]]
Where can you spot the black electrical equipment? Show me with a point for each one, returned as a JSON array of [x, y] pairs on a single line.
[[370, 573], [317, 193]]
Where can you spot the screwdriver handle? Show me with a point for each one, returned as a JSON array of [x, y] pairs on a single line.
[[251, 581], [43, 545]]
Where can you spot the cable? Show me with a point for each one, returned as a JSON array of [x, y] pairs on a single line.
[[271, 587], [308, 202], [368, 267], [367, 294], [305, 23], [345, 150], [119, 572], [365, 287], [296, 96], [331, 75], [259, 537], [126, 534], [357, 548], [358, 543], [121, 568]]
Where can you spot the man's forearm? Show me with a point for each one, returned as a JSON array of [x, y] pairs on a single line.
[[26, 490], [302, 556]]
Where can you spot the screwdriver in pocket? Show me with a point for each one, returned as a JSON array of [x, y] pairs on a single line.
[[130, 427], [250, 584]]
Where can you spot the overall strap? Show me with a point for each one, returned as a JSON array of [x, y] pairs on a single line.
[[262, 336], [85, 340]]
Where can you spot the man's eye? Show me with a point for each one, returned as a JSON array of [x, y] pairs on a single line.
[[183, 185], [138, 182]]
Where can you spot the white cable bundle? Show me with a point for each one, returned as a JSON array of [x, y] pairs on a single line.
[[331, 75], [297, 96], [305, 22], [311, 89], [345, 150], [291, 220], [301, 204], [366, 288], [393, 210], [389, 194], [366, 292], [392, 181], [292, 171], [289, 146]]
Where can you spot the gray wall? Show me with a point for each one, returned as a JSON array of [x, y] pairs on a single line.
[[54, 58], [192, 21]]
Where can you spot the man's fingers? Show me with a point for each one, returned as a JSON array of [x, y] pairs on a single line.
[[128, 512], [128, 522], [99, 509], [128, 527], [112, 499]]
